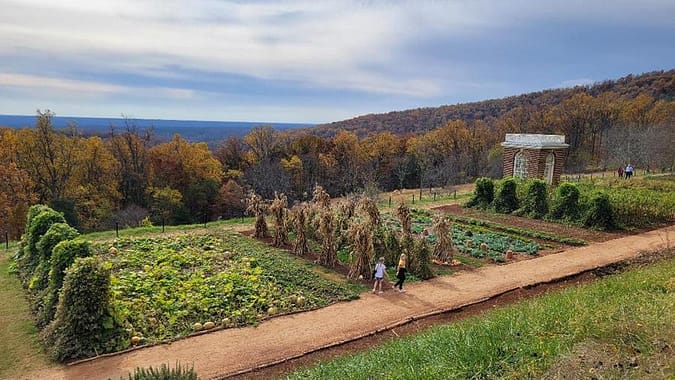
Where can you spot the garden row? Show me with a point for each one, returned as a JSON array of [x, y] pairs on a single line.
[[353, 232], [608, 206], [93, 298]]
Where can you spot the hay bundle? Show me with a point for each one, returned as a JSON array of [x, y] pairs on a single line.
[[256, 206], [279, 212]]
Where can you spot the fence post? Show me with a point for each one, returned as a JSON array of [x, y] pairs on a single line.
[[390, 201], [420, 194], [413, 198], [162, 224], [6, 240], [454, 195], [117, 229], [434, 197]]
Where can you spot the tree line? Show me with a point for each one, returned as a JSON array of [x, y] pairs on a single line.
[[127, 178]]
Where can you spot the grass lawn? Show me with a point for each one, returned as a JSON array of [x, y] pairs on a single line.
[[622, 326], [20, 350]]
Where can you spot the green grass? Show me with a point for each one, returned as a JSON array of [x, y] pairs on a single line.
[[154, 230], [20, 350], [621, 320]]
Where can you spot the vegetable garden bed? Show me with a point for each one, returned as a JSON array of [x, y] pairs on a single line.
[[163, 286]]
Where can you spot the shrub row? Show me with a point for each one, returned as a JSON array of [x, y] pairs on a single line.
[[67, 289], [565, 204]]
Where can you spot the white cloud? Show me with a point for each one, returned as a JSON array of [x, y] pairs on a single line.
[[80, 88], [363, 46]]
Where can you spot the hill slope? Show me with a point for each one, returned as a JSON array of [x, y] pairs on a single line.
[[657, 84]]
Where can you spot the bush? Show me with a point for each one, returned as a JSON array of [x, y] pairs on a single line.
[[57, 233], [535, 204], [506, 200], [599, 213], [483, 194], [84, 325], [63, 256], [38, 226], [566, 203], [163, 373]]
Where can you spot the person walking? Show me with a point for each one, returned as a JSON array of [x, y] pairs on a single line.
[[400, 273], [619, 171], [380, 272], [629, 171]]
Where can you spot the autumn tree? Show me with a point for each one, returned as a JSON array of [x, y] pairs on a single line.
[[130, 149], [16, 187], [49, 157]]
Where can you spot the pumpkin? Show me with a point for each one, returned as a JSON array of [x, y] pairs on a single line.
[[483, 247], [209, 325], [509, 254], [272, 310], [197, 326], [112, 251], [225, 321], [135, 340], [300, 301]]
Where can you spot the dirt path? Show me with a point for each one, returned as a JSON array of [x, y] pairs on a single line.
[[226, 352]]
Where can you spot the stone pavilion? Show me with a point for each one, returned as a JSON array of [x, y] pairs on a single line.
[[534, 156]]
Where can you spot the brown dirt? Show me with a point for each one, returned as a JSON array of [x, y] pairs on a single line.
[[231, 351], [533, 224]]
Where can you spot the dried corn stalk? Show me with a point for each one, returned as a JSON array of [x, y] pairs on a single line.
[[328, 255], [256, 206], [299, 223], [444, 248], [362, 249], [279, 212], [403, 215]]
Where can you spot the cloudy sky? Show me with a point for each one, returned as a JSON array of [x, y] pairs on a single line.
[[313, 60]]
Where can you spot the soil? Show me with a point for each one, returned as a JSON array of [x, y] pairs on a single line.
[[533, 224], [281, 344]]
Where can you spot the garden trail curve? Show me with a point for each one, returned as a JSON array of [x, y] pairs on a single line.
[[226, 352]]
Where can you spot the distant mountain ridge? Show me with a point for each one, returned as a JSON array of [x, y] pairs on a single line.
[[660, 85], [192, 130]]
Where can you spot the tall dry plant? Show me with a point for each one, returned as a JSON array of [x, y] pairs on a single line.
[[368, 206], [256, 206], [343, 216], [321, 198], [403, 215], [362, 249], [298, 220], [328, 255], [279, 211], [444, 248]]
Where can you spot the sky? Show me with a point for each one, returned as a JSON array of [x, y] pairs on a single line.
[[313, 61]]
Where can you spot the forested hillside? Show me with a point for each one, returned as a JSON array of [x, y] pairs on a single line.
[[127, 177], [659, 85]]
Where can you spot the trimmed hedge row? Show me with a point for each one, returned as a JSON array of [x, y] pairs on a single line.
[[68, 290], [565, 203]]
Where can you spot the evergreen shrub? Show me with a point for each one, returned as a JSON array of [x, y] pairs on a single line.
[[63, 256], [535, 203], [506, 200], [599, 213], [565, 203], [84, 325], [483, 193]]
